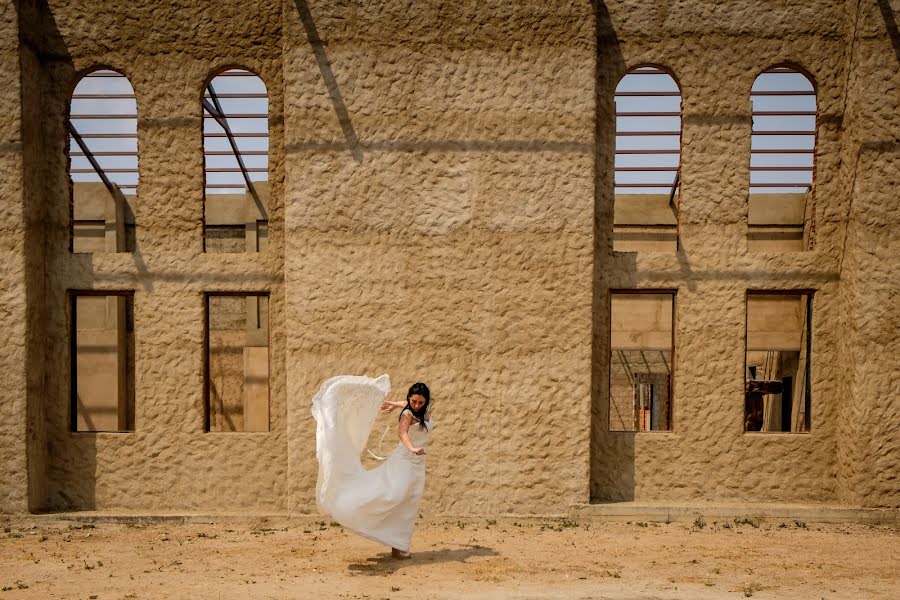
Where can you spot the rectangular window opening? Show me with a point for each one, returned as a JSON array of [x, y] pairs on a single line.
[[102, 361], [777, 373], [641, 360], [237, 362]]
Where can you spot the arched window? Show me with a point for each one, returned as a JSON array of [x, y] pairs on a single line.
[[782, 161], [648, 157], [236, 162], [103, 166]]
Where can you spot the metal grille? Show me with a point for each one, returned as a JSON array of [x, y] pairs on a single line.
[[102, 131], [235, 132], [648, 133], [782, 150]]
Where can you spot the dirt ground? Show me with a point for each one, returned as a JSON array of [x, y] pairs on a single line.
[[472, 559]]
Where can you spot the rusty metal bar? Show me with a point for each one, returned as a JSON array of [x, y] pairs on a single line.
[[241, 116], [87, 152], [675, 185], [640, 94], [787, 132], [88, 136], [229, 153], [665, 185], [105, 154], [778, 185], [780, 169], [105, 170], [784, 113], [649, 114], [236, 135], [792, 151], [655, 151], [784, 93], [234, 170], [646, 169], [648, 133], [108, 116], [103, 96], [249, 95]]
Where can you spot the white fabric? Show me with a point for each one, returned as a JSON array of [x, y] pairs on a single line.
[[382, 503]]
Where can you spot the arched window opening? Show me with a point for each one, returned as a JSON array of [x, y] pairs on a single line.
[[648, 158], [103, 168], [781, 207], [236, 162]]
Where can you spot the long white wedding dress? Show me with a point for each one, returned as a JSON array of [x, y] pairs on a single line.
[[381, 503]]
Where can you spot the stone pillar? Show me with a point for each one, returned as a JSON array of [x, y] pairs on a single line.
[[13, 272], [869, 439]]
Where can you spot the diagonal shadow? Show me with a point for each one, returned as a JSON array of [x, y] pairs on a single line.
[[385, 564], [318, 48], [891, 24]]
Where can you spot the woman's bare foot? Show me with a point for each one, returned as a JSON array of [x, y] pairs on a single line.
[[400, 553]]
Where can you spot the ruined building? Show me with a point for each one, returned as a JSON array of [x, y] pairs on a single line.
[[640, 251]]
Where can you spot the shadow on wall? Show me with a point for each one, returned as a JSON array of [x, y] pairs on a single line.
[[55, 453], [890, 23], [611, 454]]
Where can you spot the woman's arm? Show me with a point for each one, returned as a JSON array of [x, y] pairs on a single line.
[[403, 432], [388, 405]]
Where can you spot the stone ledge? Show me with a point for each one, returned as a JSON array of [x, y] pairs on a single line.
[[604, 511], [662, 511]]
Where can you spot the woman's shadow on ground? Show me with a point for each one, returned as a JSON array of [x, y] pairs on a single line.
[[385, 564]]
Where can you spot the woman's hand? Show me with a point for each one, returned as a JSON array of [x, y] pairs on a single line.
[[388, 406], [418, 451]]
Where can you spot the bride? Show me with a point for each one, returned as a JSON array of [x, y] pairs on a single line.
[[381, 503]]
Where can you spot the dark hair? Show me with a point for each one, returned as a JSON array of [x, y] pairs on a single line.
[[419, 389]]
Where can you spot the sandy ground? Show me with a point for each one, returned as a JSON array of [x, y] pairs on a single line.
[[471, 559]]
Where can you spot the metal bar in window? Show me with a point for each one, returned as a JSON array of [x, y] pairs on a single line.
[[248, 95], [780, 151], [87, 152], [647, 133], [236, 170], [229, 153], [781, 168], [784, 93], [110, 116], [781, 185], [104, 154], [105, 170], [103, 96], [110, 136], [784, 113], [239, 116], [649, 114], [666, 185], [646, 169], [236, 135], [641, 94]]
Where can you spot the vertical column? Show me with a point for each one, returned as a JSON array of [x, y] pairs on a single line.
[[13, 272]]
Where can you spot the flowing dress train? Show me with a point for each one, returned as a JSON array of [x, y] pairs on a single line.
[[380, 503]]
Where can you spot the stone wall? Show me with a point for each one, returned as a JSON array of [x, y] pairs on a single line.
[[869, 441], [441, 209]]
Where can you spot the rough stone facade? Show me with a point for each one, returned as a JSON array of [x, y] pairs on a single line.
[[440, 209]]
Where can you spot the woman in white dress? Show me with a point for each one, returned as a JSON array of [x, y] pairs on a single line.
[[381, 503]]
